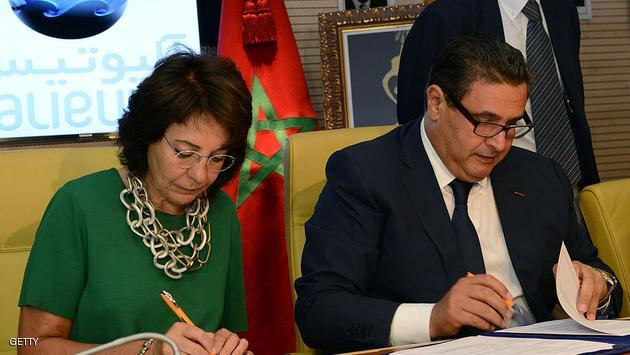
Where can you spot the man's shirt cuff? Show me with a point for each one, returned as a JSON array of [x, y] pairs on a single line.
[[411, 324]]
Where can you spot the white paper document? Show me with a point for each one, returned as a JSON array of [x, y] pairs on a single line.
[[560, 327], [508, 346], [568, 286]]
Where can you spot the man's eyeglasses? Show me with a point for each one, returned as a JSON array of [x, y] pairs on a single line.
[[489, 129], [189, 159]]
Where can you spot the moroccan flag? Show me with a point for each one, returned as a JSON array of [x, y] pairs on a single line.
[[257, 35]]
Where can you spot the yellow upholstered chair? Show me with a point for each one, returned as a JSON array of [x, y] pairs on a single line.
[[28, 180], [606, 209], [305, 159]]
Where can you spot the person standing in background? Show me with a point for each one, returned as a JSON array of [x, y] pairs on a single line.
[[561, 130]]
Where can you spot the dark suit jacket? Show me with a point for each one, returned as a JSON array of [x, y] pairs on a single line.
[[381, 235], [445, 19]]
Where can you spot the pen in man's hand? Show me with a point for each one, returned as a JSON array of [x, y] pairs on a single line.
[[172, 304], [509, 303], [518, 317]]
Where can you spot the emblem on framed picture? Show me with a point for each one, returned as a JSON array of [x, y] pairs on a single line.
[[360, 56], [363, 4]]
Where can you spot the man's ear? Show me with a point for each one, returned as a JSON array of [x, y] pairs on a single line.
[[435, 102]]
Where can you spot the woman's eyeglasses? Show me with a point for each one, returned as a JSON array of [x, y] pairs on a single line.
[[187, 159]]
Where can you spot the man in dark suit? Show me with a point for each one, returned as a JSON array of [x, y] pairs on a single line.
[[501, 19], [384, 263]]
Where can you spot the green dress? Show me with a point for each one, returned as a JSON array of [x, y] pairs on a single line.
[[87, 266]]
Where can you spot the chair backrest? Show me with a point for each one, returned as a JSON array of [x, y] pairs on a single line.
[[305, 159], [28, 180], [606, 209]]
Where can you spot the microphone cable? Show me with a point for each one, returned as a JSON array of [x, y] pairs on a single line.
[[129, 339]]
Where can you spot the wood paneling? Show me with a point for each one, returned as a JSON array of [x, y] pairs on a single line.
[[303, 16], [605, 57]]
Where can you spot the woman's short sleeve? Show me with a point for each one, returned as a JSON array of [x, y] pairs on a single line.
[[55, 273]]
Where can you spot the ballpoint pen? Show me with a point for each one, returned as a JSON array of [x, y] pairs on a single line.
[[516, 310], [508, 303], [172, 304]]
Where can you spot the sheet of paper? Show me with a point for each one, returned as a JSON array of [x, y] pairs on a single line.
[[568, 286], [561, 326], [508, 346]]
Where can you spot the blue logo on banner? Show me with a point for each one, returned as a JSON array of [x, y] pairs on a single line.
[[69, 19]]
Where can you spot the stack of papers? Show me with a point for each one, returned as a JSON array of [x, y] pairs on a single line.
[[558, 327], [508, 346], [567, 287]]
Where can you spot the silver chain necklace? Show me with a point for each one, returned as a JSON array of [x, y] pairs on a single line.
[[169, 248]]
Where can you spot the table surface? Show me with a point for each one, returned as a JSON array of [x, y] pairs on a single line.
[[390, 349]]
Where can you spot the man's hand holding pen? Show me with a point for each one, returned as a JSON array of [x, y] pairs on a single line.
[[479, 301], [483, 302]]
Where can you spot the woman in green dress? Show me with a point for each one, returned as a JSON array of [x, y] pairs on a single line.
[[111, 241]]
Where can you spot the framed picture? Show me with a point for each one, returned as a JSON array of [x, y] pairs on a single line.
[[363, 4], [360, 52]]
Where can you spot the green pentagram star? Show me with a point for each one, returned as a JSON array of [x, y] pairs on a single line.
[[260, 100]]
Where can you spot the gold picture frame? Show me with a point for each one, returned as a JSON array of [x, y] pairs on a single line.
[[344, 5], [334, 28]]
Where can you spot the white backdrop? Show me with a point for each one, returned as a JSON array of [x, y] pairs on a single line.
[[51, 86]]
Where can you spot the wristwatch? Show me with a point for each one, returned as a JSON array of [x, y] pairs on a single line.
[[612, 284]]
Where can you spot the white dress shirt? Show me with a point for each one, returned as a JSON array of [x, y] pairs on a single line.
[[515, 32], [411, 320]]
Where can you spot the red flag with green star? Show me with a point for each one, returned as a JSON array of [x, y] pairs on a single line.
[[257, 35]]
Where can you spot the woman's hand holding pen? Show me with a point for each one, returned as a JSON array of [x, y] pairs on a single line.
[[226, 342], [478, 301], [194, 341], [189, 339]]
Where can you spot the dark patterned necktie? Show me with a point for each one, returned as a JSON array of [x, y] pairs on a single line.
[[464, 228], [554, 138]]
